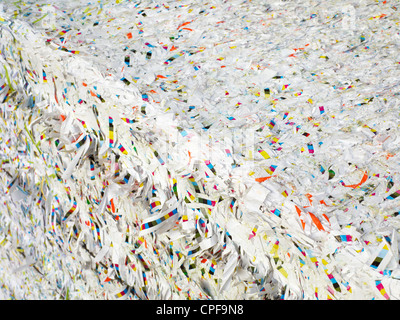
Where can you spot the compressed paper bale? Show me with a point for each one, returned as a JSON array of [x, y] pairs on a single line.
[[228, 150]]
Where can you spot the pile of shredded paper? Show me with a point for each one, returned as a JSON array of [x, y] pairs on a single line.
[[199, 149]]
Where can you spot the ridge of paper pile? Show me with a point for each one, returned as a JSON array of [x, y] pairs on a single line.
[[179, 150]]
